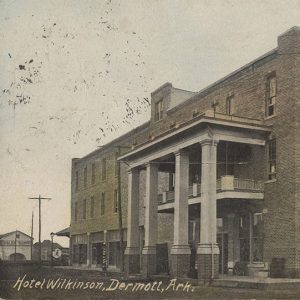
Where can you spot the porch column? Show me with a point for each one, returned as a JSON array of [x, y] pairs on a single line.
[[208, 250], [88, 250], [149, 250], [132, 256], [180, 251]]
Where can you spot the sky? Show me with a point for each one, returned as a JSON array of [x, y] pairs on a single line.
[[76, 74]]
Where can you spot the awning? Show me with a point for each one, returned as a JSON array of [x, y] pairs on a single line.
[[64, 232]]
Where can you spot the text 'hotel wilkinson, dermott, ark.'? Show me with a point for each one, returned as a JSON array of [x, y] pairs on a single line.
[[209, 185]]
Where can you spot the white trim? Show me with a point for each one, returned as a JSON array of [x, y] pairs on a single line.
[[204, 119], [220, 196]]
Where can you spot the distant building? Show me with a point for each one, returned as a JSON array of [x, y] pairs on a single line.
[[15, 245], [46, 252]]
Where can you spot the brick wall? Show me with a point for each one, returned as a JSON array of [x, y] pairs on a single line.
[[248, 87]]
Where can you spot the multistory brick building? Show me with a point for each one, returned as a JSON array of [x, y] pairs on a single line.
[[210, 184]]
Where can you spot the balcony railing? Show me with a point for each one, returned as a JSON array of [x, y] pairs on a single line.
[[225, 183]]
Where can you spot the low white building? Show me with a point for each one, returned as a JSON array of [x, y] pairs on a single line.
[[15, 245]]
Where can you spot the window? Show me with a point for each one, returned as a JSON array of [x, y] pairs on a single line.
[[271, 91], [272, 159], [230, 109], [92, 207], [76, 181], [102, 208], [75, 211], [171, 181], [116, 200], [84, 209], [85, 176], [158, 110], [93, 173], [103, 168]]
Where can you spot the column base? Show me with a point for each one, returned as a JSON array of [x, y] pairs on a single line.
[[131, 261], [208, 261], [180, 261], [149, 261]]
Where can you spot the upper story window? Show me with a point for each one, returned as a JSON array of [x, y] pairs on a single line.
[[75, 211], [272, 159], [230, 108], [84, 209], [102, 204], [158, 110], [103, 168], [93, 173], [171, 181], [116, 201], [92, 207], [271, 91], [76, 181], [85, 177]]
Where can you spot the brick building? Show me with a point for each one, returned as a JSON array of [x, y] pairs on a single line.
[[211, 183]]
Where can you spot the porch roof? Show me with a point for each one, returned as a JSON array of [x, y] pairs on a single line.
[[209, 118]]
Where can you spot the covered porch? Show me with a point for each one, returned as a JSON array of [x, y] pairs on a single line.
[[209, 166]]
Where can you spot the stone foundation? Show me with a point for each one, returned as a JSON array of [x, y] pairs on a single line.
[[131, 263], [149, 264], [180, 265]]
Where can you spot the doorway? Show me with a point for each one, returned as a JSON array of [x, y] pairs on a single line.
[[222, 240]]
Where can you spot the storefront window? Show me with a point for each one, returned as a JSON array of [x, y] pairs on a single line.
[[97, 253]]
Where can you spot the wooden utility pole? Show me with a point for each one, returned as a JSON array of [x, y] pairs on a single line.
[[120, 209], [40, 225], [31, 235]]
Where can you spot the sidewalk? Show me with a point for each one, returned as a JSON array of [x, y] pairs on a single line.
[[256, 282]]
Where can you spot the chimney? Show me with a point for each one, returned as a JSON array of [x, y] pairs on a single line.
[[289, 41]]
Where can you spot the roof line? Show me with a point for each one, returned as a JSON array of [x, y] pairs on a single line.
[[216, 83], [6, 234], [107, 145]]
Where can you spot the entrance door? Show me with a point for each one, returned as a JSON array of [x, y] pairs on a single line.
[[83, 254], [222, 240], [162, 262]]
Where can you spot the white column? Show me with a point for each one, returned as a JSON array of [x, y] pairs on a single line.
[[181, 245], [208, 234], [151, 209], [133, 213]]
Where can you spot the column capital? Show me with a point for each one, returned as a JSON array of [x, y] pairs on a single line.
[[153, 164], [132, 170], [181, 152], [211, 142]]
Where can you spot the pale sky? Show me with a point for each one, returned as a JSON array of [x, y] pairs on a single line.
[[71, 71]]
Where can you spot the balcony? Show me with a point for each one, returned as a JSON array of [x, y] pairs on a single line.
[[224, 184]]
